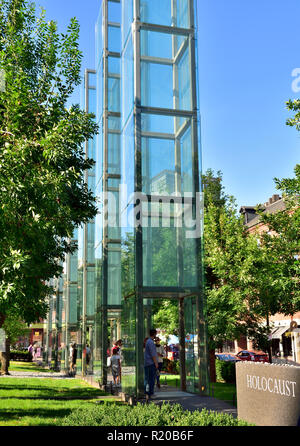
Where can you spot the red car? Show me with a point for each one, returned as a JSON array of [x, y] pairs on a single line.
[[246, 355]]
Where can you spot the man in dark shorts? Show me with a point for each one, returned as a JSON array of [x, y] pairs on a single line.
[[150, 364]]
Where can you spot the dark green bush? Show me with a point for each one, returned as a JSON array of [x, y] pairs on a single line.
[[19, 355], [171, 366], [225, 371], [112, 414]]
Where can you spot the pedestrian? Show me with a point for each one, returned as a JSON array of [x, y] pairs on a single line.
[[88, 354], [116, 366], [73, 358], [115, 347], [30, 350], [120, 345], [34, 350], [150, 365], [160, 360]]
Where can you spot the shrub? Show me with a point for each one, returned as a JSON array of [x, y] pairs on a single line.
[[19, 355], [167, 414], [171, 366], [225, 371]]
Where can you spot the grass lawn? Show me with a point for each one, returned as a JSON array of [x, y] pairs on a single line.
[[19, 366], [220, 390], [42, 401]]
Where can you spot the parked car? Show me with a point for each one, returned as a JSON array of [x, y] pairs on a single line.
[[227, 357], [247, 355]]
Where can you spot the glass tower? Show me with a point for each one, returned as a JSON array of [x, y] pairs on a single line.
[[160, 170], [145, 242]]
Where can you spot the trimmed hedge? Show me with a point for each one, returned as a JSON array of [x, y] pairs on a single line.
[[112, 414], [225, 371], [19, 355]]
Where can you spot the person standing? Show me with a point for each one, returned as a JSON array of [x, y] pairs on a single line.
[[116, 367], [30, 351], [160, 359], [88, 354], [73, 358], [150, 365]]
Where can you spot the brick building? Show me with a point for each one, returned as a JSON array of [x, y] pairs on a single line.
[[286, 329]]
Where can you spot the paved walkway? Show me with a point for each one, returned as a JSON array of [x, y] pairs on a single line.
[[191, 401], [18, 374]]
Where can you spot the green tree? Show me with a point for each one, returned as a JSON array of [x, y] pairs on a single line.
[[42, 191], [281, 244]]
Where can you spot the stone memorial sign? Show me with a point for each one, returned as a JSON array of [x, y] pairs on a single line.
[[268, 394], [2, 341]]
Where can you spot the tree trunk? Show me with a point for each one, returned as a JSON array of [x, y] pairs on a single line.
[[212, 366], [269, 349], [4, 358]]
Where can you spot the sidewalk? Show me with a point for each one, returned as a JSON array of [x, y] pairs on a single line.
[[191, 401]]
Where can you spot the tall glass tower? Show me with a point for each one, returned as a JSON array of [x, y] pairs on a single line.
[[160, 170], [145, 243]]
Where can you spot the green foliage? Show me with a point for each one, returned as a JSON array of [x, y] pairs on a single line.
[[250, 277], [171, 366], [282, 243], [147, 415], [166, 316], [19, 355], [226, 265], [225, 371], [14, 327], [42, 191]]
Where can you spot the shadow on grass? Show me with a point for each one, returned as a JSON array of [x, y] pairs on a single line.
[[8, 415], [47, 393]]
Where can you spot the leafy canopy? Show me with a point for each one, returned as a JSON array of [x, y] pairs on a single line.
[[42, 191]]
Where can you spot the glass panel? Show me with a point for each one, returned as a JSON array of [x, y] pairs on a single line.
[[155, 44], [165, 242], [114, 94], [191, 344], [113, 154], [114, 275], [92, 150], [156, 11], [99, 95], [114, 123], [187, 181], [99, 42], [184, 81], [182, 14], [114, 12], [158, 166], [127, 81], [128, 324], [90, 295], [165, 12], [113, 215], [92, 101], [127, 19], [156, 85], [114, 39], [114, 65], [92, 79]]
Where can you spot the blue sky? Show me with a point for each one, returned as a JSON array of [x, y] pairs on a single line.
[[247, 51]]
